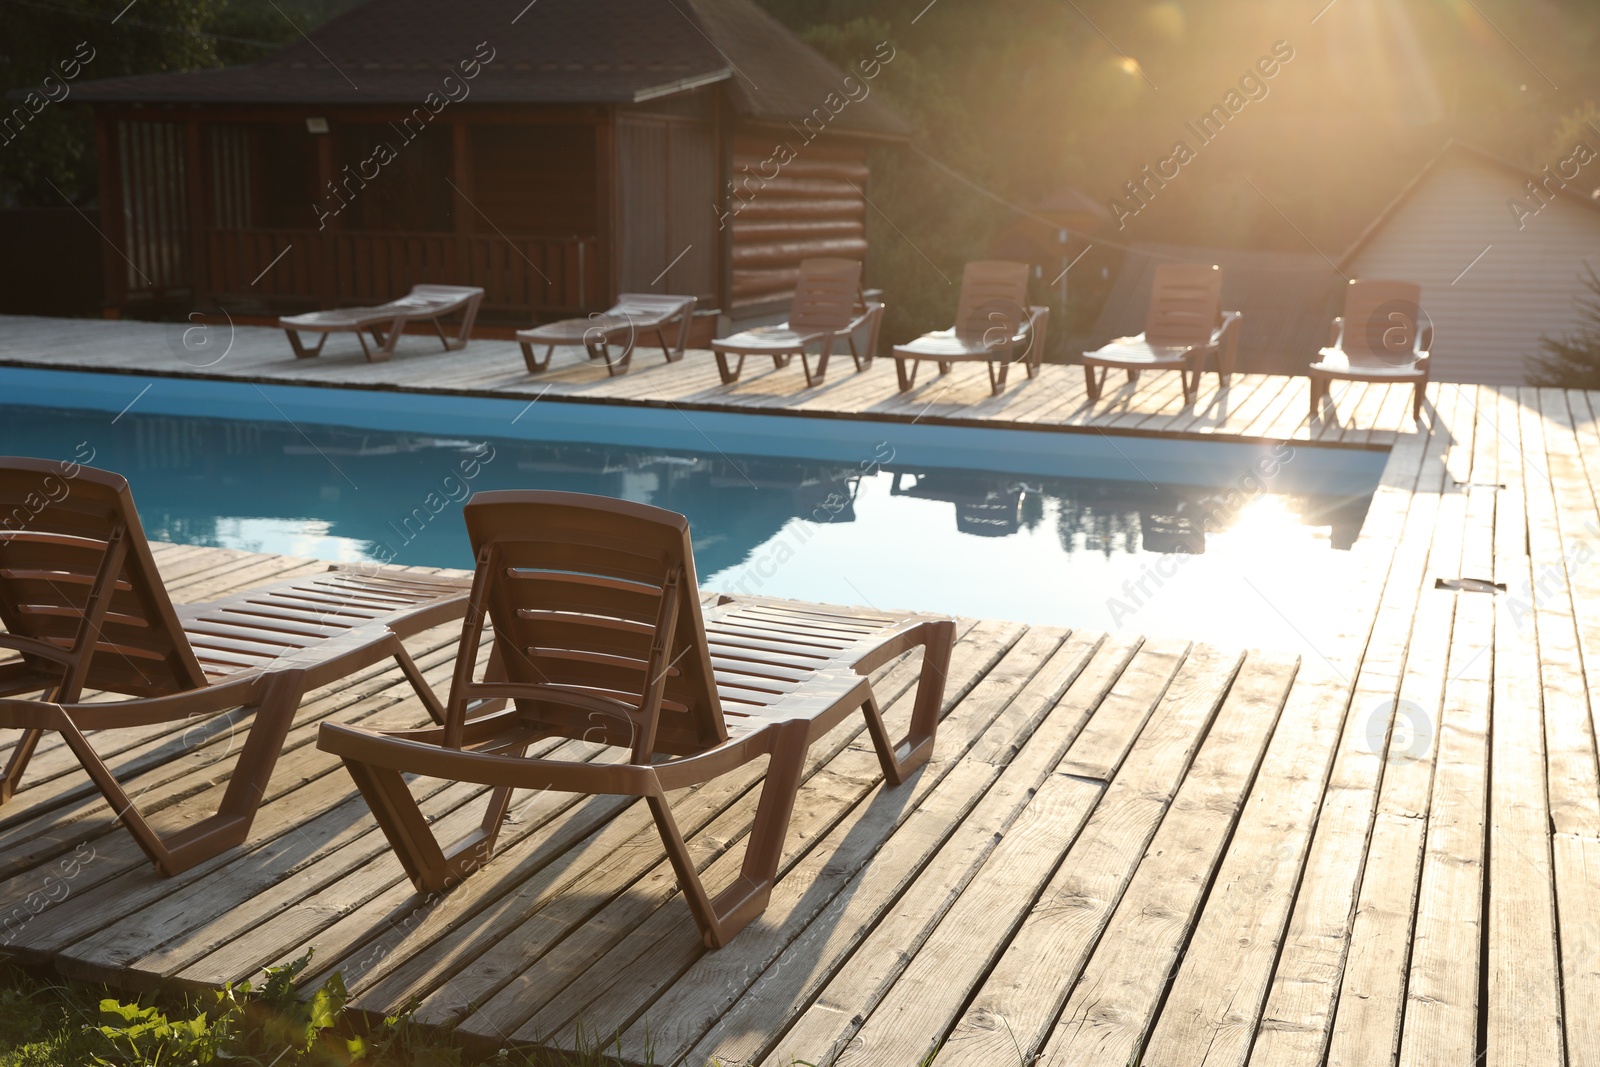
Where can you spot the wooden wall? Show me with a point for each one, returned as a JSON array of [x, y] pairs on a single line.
[[666, 198], [783, 212]]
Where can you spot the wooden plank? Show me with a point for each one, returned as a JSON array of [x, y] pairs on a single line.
[[1372, 994], [1111, 1010], [1299, 1013], [1036, 962], [1523, 1009], [1442, 989]]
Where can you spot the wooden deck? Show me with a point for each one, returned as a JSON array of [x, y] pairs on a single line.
[[1387, 853], [1254, 406]]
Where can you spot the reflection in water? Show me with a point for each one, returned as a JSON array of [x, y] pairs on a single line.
[[986, 543]]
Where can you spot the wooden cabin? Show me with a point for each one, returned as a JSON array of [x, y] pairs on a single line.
[[579, 149]]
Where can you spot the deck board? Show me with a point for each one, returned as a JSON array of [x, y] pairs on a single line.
[[1206, 855], [1252, 407]]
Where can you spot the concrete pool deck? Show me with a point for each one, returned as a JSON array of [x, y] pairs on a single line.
[[1386, 852]]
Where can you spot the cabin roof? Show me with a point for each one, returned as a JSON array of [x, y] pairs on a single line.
[[549, 52]]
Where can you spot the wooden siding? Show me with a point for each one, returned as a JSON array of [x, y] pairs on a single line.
[[1488, 320], [783, 212]]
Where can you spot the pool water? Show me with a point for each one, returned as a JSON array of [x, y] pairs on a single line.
[[1238, 562]]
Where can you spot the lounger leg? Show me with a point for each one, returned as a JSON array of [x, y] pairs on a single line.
[[997, 376], [396, 328], [467, 319], [535, 364], [899, 760], [1417, 397], [400, 818], [685, 324], [1316, 396], [438, 328], [425, 693], [780, 362], [720, 918], [729, 374], [18, 763], [907, 378], [1133, 376], [300, 350], [1093, 382], [248, 783]]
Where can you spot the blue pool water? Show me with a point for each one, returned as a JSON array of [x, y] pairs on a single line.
[[1229, 546]]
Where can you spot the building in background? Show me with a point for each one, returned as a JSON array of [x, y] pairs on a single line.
[[1499, 252], [555, 158]]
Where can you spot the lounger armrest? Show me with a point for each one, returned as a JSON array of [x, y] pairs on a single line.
[[245, 690], [1227, 327], [873, 310]]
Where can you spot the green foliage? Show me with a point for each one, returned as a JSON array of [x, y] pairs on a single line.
[[52, 155], [1573, 362]]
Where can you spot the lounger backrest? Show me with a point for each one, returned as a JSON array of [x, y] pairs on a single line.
[[994, 300], [1185, 304], [1380, 321], [59, 525], [597, 598], [827, 296]]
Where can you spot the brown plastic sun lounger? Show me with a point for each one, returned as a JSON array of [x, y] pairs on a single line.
[[386, 322], [994, 326], [84, 608], [632, 315], [1379, 338], [1185, 324], [828, 308], [602, 637]]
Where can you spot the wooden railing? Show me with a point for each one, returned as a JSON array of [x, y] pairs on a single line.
[[522, 276]]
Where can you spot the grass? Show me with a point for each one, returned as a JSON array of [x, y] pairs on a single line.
[[48, 1022]]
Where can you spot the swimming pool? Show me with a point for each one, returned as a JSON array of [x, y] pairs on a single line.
[[1180, 538]]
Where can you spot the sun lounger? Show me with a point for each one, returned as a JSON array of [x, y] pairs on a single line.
[[84, 607], [1186, 324], [386, 322], [1379, 338], [828, 308], [603, 638], [994, 326], [634, 314]]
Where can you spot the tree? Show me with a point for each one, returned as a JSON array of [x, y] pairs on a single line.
[[47, 150], [1573, 361]]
